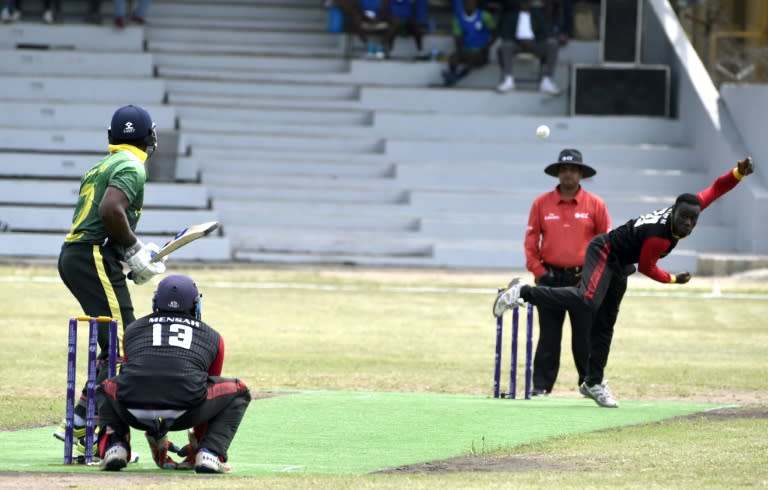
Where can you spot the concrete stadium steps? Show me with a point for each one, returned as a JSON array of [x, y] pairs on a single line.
[[238, 119], [76, 63], [290, 70], [175, 40], [323, 218], [278, 189], [501, 175], [523, 149], [50, 219], [56, 115], [51, 165], [506, 127], [71, 37], [191, 168], [203, 140], [460, 101], [216, 65], [36, 192], [277, 92], [62, 141], [78, 89], [261, 102], [304, 241], [49, 245], [254, 163], [279, 16], [402, 124]]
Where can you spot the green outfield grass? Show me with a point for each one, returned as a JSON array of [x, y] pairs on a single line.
[[417, 345]]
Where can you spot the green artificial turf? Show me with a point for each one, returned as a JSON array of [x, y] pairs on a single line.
[[332, 432]]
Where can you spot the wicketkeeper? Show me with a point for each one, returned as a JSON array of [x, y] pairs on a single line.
[[170, 380]]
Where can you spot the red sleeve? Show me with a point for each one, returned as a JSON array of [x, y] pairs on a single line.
[[720, 186], [532, 240], [652, 250], [218, 363]]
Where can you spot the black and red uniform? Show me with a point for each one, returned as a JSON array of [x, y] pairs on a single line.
[[610, 258], [173, 363]]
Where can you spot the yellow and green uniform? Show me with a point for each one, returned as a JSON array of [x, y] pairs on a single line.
[[90, 262]]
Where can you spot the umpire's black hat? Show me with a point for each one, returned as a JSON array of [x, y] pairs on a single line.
[[572, 157]]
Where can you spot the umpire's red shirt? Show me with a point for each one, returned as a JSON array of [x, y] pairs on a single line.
[[559, 230]]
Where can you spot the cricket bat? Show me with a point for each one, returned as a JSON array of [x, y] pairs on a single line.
[[184, 237]]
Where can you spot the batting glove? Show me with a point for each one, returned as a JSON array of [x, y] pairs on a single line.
[[138, 257]]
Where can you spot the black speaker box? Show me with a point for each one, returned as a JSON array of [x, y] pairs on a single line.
[[620, 31], [620, 90]]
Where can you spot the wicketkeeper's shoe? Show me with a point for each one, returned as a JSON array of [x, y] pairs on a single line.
[[600, 393], [115, 458], [208, 462], [78, 432], [508, 298]]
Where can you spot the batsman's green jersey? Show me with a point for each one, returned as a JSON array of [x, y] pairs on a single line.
[[124, 169]]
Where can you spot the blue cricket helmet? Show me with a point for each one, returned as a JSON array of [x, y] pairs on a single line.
[[177, 293], [132, 124]]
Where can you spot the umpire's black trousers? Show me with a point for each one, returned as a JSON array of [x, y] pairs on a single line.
[[602, 287], [546, 363]]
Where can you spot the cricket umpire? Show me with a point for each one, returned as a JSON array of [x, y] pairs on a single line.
[[170, 380], [102, 233], [560, 225]]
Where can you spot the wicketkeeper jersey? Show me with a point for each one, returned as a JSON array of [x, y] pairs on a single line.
[[124, 169], [168, 357]]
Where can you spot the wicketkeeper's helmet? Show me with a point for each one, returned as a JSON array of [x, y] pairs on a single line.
[[178, 293]]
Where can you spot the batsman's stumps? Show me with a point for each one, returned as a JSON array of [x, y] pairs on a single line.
[[90, 387], [513, 355]]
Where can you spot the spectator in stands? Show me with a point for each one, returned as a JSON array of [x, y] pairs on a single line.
[[11, 11], [408, 15], [528, 28], [364, 17], [474, 31], [138, 16], [560, 225], [51, 10]]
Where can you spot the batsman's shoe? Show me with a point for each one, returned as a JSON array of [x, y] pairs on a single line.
[[600, 393], [115, 458], [79, 449], [78, 431], [508, 298], [208, 462]]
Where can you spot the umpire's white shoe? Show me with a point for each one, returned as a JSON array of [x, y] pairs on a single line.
[[600, 393], [508, 298], [115, 459], [207, 462]]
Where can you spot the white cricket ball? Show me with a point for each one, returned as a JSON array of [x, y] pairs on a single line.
[[542, 131]]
